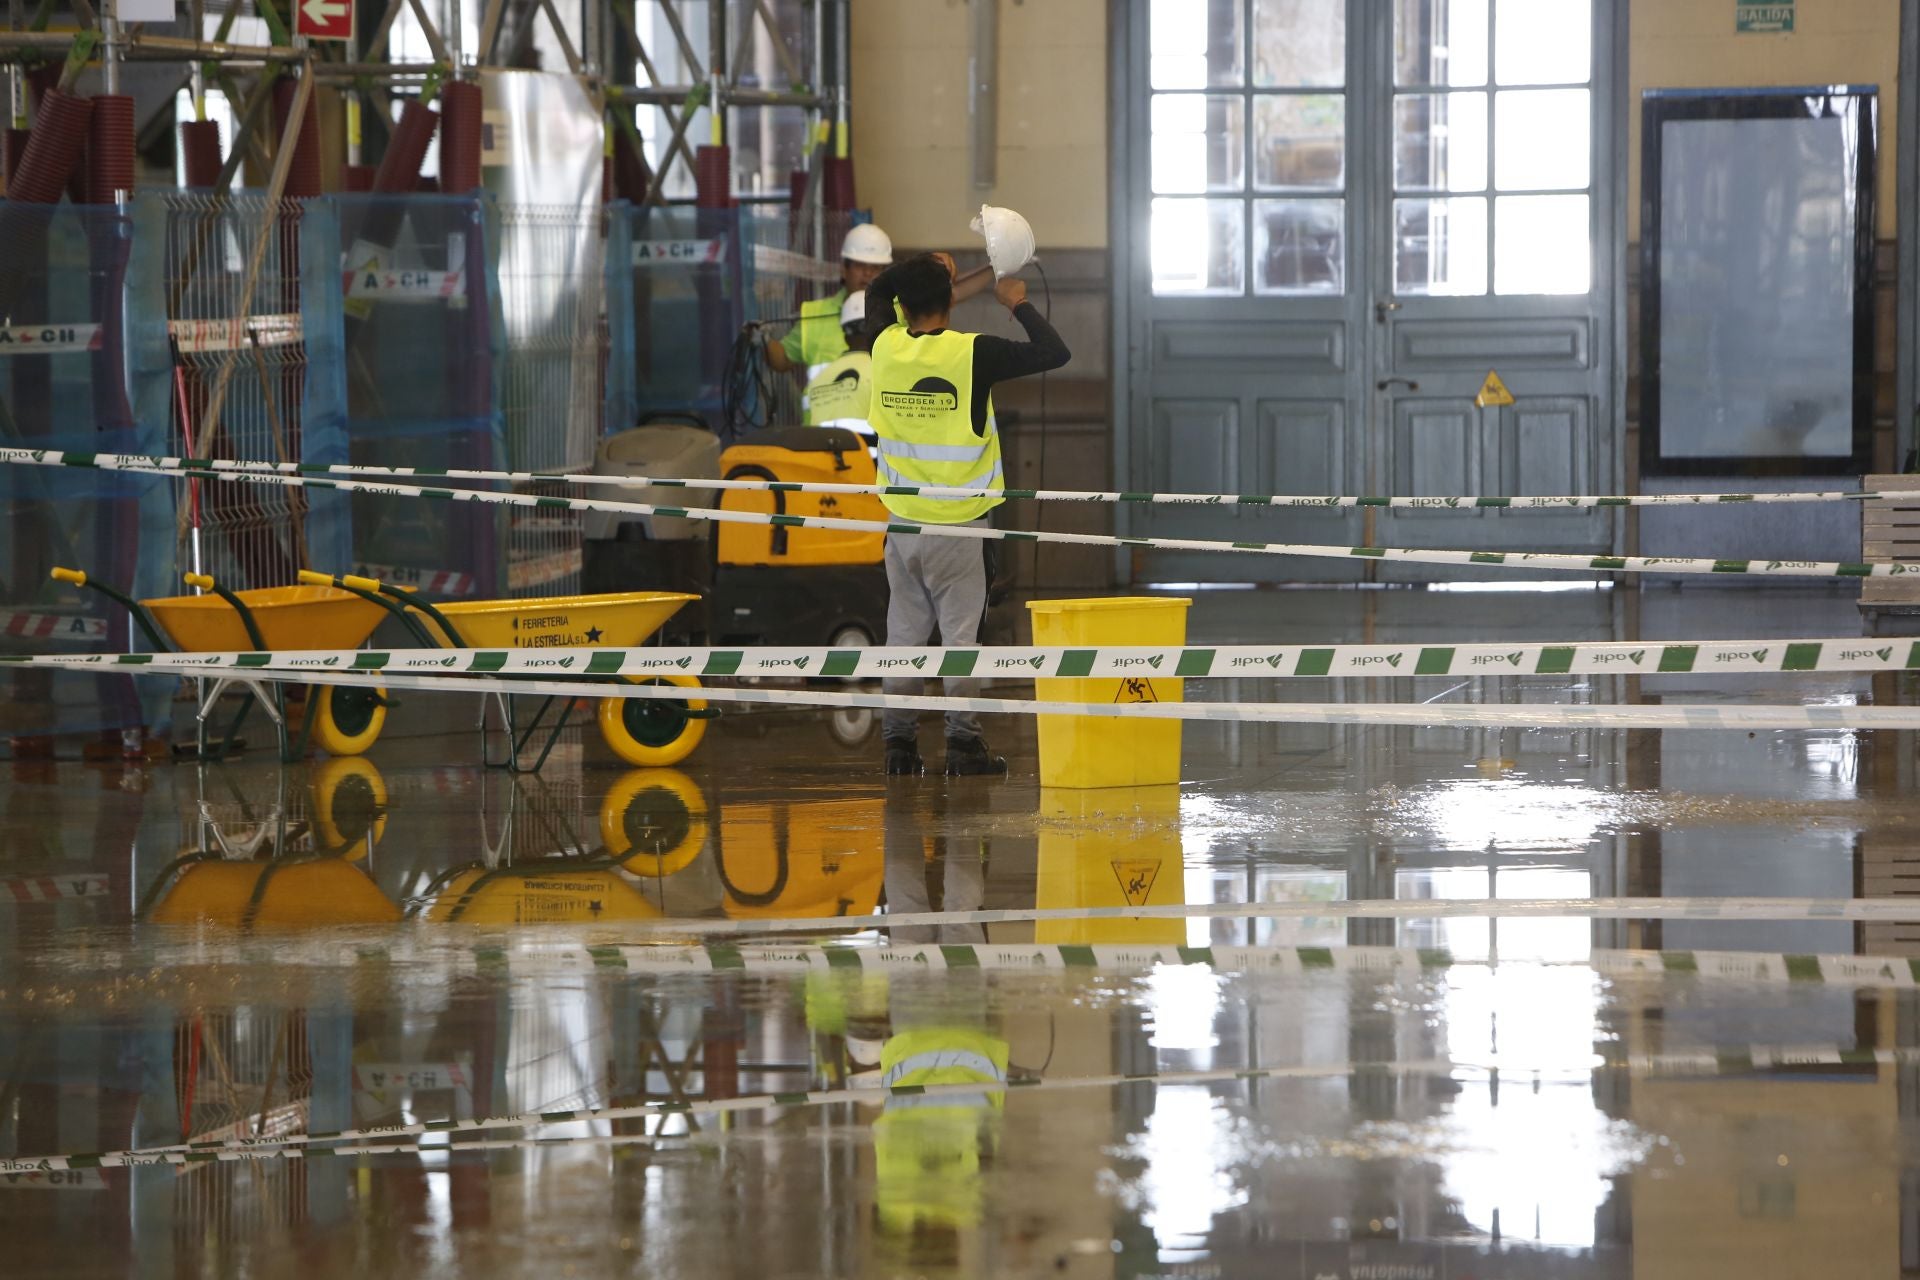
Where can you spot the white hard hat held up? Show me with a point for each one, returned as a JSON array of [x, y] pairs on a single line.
[[868, 243], [1009, 239], [854, 309]]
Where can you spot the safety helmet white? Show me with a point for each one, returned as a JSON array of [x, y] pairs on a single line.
[[1009, 239], [854, 310], [868, 243]]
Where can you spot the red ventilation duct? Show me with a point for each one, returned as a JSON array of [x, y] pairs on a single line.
[[713, 177], [412, 134], [631, 176], [110, 148], [303, 175], [839, 176], [59, 136], [356, 177], [460, 124], [200, 149]]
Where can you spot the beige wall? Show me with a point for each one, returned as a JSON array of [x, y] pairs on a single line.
[[911, 128], [1680, 44]]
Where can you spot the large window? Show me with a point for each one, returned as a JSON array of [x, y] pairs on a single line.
[[1492, 146], [1249, 146]]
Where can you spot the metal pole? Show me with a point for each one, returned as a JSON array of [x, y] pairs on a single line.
[[110, 25], [717, 74], [17, 76], [843, 83], [453, 37], [197, 76], [816, 150], [983, 92]]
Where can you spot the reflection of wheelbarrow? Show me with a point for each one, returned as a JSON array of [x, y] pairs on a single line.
[[641, 731], [339, 720], [270, 869]]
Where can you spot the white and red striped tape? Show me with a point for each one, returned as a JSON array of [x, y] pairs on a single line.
[[53, 626], [53, 888]]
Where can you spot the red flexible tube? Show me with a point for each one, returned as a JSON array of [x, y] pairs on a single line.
[[460, 125], [110, 148], [200, 148]]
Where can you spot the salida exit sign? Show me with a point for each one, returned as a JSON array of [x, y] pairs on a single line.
[[1763, 15]]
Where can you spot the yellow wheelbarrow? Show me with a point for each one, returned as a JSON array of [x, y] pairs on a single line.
[[641, 731], [341, 721]]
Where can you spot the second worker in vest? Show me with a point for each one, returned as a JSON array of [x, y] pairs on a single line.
[[932, 411], [815, 341]]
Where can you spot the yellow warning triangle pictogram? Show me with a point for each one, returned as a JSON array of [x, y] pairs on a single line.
[[1493, 392], [1136, 877]]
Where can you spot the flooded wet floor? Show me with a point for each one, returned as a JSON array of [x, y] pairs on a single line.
[[763, 1077]]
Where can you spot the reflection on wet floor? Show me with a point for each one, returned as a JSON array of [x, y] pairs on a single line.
[[256, 953]]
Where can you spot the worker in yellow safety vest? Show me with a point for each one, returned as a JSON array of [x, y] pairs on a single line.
[[931, 409], [837, 396], [817, 340]]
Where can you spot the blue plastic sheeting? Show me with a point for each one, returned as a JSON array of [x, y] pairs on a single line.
[[74, 374], [414, 374], [679, 288]]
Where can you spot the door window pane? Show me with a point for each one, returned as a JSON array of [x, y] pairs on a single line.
[[1197, 143], [1543, 41], [1194, 44], [1440, 141], [1440, 42], [1299, 246], [1440, 245], [1300, 43], [1541, 139], [1300, 140], [1541, 244], [1198, 246]]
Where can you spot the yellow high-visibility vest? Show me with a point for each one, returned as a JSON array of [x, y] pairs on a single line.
[[838, 396], [921, 408], [816, 339]]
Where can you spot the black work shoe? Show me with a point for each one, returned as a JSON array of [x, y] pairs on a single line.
[[968, 757], [903, 758]]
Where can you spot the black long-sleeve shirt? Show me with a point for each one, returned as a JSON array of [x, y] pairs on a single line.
[[995, 359]]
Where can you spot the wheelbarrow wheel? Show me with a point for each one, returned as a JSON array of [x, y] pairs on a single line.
[[654, 731], [347, 719], [349, 805], [654, 822]]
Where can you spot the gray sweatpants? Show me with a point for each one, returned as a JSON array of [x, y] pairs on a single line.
[[934, 582]]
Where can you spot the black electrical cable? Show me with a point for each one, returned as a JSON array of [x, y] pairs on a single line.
[[746, 387]]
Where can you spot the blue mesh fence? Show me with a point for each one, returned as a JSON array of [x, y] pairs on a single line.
[[75, 374], [417, 379]]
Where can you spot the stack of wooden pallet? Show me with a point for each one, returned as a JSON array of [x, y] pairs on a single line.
[[1890, 531]]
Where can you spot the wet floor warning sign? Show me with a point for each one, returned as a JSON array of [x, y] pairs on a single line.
[[1493, 392], [1136, 877]]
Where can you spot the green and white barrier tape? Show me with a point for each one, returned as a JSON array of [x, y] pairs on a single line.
[[1191, 662], [413, 1138], [526, 958], [1393, 555], [1537, 502], [1515, 715]]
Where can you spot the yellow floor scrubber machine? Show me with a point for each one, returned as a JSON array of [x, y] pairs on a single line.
[[786, 586]]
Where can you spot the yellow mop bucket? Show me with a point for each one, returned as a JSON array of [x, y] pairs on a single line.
[[1090, 751], [1120, 848]]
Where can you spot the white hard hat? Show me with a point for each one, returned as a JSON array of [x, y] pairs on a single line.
[[1009, 239], [854, 310], [868, 243]]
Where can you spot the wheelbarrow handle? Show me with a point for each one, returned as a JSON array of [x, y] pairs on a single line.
[[205, 582], [392, 599], [134, 608]]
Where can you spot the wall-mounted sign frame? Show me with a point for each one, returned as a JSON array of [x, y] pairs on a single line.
[[1757, 246]]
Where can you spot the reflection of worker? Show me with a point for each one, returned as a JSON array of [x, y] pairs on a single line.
[[927, 1149], [837, 396], [932, 409], [909, 865], [816, 340]]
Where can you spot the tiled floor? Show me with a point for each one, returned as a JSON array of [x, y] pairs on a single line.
[[250, 950]]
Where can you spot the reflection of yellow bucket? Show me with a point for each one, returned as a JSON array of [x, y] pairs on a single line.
[[812, 858], [1117, 848], [536, 895], [1088, 751], [274, 894]]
